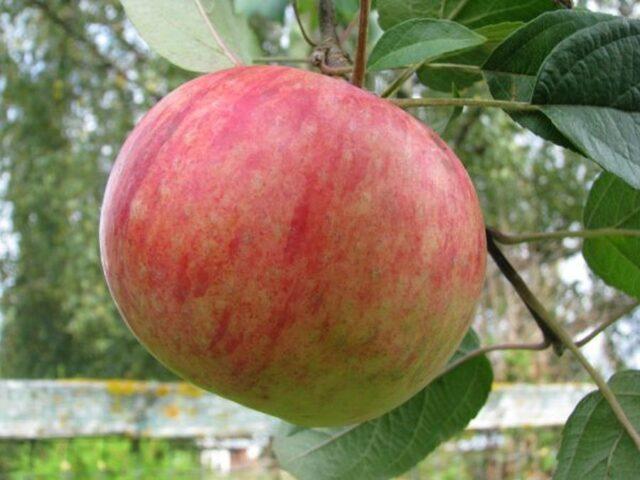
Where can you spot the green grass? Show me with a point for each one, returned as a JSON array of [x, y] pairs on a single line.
[[523, 455], [103, 458]]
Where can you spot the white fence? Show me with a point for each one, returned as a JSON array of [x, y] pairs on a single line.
[[64, 409]]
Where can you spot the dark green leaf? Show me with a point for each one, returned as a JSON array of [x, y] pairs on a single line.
[[594, 443], [416, 41], [473, 13], [616, 259], [387, 446], [442, 78], [512, 69], [588, 87]]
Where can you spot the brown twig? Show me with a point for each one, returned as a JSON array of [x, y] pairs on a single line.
[[559, 337], [303, 30], [329, 55], [493, 348], [463, 102], [538, 346], [607, 323], [537, 310], [360, 68], [334, 71]]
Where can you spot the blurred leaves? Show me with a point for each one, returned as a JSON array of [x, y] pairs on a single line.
[[472, 13], [67, 112]]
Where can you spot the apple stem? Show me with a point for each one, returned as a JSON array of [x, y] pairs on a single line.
[[557, 335], [360, 69]]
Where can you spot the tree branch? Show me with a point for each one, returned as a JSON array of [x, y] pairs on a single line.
[[462, 102], [508, 239], [329, 55], [599, 380], [360, 69], [607, 323], [537, 310], [493, 348], [548, 323], [538, 346]]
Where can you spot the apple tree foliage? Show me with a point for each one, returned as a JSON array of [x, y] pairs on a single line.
[[569, 76], [66, 103]]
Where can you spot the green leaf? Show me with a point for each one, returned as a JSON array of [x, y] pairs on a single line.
[[197, 35], [419, 40], [473, 13], [614, 204], [512, 69], [389, 445], [594, 444], [271, 9], [441, 78], [588, 88]]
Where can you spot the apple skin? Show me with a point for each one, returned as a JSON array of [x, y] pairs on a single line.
[[293, 243]]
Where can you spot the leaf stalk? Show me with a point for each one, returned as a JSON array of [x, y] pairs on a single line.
[[463, 102], [508, 239]]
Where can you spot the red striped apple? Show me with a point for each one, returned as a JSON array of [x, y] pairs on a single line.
[[293, 243]]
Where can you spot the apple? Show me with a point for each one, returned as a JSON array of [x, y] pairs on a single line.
[[293, 243]]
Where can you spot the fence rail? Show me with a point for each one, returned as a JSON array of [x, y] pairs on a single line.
[[71, 408]]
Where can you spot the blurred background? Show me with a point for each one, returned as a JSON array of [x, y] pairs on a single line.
[[74, 80]]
